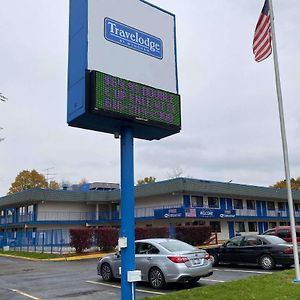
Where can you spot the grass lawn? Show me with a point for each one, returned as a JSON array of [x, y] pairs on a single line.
[[35, 255], [277, 286]]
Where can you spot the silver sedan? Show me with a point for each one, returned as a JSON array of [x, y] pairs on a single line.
[[161, 261]]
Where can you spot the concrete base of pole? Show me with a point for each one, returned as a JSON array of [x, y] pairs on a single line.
[[296, 280]]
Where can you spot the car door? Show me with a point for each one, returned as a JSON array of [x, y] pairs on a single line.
[[250, 249], [144, 255], [229, 252]]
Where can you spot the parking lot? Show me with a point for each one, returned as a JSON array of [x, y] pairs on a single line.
[[24, 279]]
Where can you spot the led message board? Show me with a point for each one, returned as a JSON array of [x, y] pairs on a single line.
[[124, 99], [133, 42]]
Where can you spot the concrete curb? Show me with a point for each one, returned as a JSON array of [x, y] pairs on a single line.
[[70, 258]]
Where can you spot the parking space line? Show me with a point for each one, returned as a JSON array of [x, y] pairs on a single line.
[[118, 287], [243, 271], [25, 294], [212, 280]]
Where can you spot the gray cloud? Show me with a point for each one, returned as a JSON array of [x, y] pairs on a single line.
[[230, 124]]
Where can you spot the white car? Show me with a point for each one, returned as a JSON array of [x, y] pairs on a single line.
[[161, 261]]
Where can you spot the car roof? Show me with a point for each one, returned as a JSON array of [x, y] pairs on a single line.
[[283, 227], [156, 240]]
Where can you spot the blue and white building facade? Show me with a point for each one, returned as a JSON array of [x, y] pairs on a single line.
[[228, 207]]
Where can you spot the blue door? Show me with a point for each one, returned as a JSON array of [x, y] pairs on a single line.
[[231, 229]]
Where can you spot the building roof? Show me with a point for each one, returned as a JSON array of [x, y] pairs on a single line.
[[171, 187]]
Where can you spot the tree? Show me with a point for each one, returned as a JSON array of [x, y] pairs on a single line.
[[30, 179], [295, 183], [146, 180], [53, 185]]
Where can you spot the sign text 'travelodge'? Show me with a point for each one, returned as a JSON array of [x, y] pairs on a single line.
[[132, 38]]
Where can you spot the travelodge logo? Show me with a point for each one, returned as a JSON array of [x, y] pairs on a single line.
[[132, 38]]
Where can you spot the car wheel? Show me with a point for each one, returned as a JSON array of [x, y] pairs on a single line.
[[214, 259], [194, 280], [106, 272], [267, 262], [156, 278]]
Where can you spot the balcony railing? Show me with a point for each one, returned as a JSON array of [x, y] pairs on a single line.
[[277, 213], [246, 212], [140, 212]]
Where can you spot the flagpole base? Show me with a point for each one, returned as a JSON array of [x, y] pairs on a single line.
[[296, 281]]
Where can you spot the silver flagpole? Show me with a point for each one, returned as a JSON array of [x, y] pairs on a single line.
[[284, 146]]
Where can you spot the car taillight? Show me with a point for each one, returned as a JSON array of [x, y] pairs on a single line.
[[178, 259], [207, 256], [288, 251]]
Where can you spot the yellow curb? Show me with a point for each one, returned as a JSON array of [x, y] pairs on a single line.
[[79, 257], [70, 258], [21, 257]]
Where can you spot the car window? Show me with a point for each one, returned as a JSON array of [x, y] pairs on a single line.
[[252, 241], [177, 246], [145, 248], [270, 232], [234, 242], [283, 233], [272, 239]]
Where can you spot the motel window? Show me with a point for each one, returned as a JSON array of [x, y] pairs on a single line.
[[22, 211], [239, 226], [252, 226], [281, 205], [198, 223], [30, 209], [272, 224], [215, 226], [213, 202], [271, 205], [238, 203], [250, 204], [197, 201], [283, 223], [297, 206]]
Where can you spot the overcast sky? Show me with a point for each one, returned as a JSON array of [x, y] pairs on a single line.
[[230, 123]]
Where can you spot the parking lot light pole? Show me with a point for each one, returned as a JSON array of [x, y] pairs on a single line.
[[127, 212]]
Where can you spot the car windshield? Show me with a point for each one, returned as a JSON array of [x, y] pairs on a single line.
[[274, 239], [177, 246]]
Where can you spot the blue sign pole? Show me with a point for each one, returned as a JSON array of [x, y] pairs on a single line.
[[127, 212]]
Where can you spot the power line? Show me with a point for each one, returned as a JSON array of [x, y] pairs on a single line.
[[3, 98]]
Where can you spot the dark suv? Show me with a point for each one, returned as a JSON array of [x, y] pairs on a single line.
[[284, 232]]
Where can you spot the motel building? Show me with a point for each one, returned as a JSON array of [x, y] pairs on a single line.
[[228, 207]]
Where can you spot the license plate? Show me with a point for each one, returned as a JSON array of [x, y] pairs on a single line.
[[197, 261]]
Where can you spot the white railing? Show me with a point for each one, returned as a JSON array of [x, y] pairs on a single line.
[[276, 213], [246, 212]]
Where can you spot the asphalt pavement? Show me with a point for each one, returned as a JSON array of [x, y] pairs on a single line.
[[24, 279]]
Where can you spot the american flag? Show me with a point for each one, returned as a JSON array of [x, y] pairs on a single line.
[[262, 42]]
